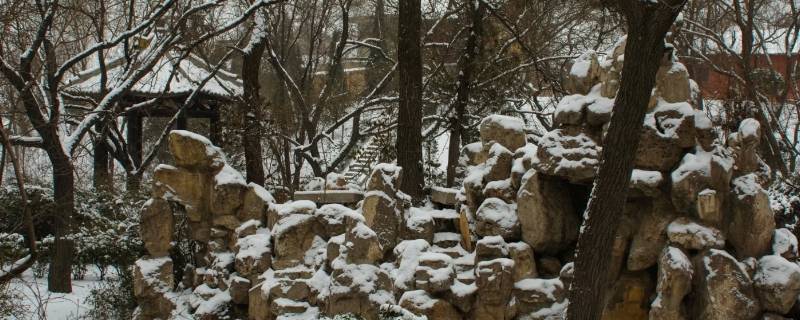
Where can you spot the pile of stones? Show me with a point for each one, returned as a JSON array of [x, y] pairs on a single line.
[[698, 237]]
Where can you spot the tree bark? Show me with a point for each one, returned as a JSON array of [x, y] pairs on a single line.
[[648, 24], [471, 51], [251, 135], [409, 119], [59, 278]]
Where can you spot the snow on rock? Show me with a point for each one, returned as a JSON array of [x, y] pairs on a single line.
[[495, 217], [191, 150], [569, 153], [408, 254], [504, 130], [784, 243], [693, 235], [777, 283]]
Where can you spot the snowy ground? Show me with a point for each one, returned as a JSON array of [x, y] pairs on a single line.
[[41, 304]]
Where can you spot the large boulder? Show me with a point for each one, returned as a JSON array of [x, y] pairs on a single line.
[[363, 245], [751, 222], [156, 227], [583, 74], [504, 130], [495, 217], [784, 243], [435, 273], [195, 152], [777, 283], [744, 143], [152, 283], [674, 282], [697, 172], [689, 234], [547, 218], [650, 236], [570, 153], [382, 209], [672, 83], [540, 298], [495, 281], [191, 189], [293, 235], [524, 262], [422, 303], [722, 288]]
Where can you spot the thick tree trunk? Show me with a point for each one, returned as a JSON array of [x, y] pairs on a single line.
[[409, 120], [59, 278], [471, 51], [648, 24], [251, 135]]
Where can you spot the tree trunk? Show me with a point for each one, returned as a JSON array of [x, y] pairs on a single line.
[[647, 24], [409, 119], [59, 278], [251, 135], [471, 51]]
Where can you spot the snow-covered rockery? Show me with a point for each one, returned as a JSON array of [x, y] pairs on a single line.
[[698, 238]]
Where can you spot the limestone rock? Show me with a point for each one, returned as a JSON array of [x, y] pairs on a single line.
[[584, 73], [646, 182], [152, 281], [507, 131], [570, 153], [651, 236], [362, 245], [228, 191], [293, 235], [359, 290], [239, 290], [490, 248], [709, 206], [675, 121], [630, 297], [674, 283], [540, 298], [474, 153], [692, 235], [546, 215], [334, 218], [183, 186], [784, 243], [498, 165], [381, 208], [495, 217], [421, 303], [435, 273], [777, 283], [502, 189], [745, 144], [570, 110], [752, 222], [255, 201], [495, 281], [722, 289], [656, 151], [697, 172], [524, 262], [156, 227], [444, 196], [420, 225], [193, 151], [253, 254], [672, 83]]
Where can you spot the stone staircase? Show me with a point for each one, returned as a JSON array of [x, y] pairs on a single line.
[[365, 158]]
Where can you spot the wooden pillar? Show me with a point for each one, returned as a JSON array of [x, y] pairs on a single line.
[[134, 137], [103, 180], [182, 123]]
